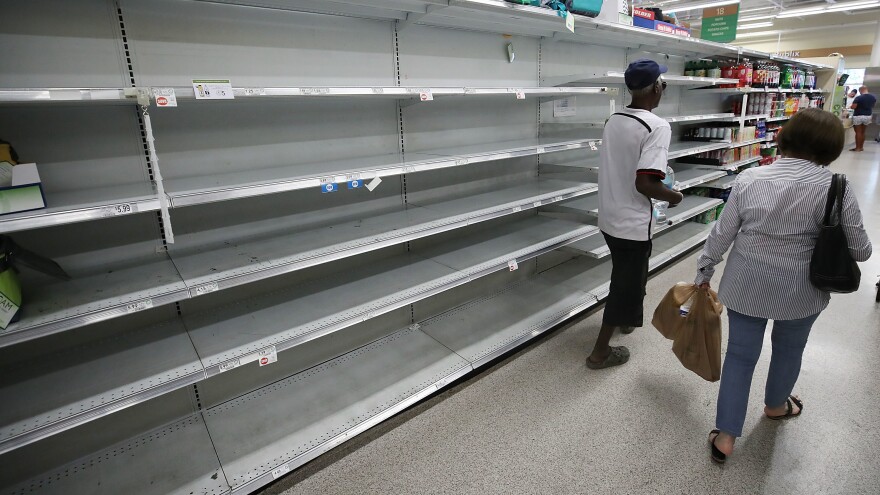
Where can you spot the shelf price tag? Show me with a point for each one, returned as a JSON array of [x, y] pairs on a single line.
[[593, 146], [280, 471], [373, 184], [557, 198], [120, 209], [139, 306], [520, 94], [536, 204], [165, 97], [267, 356], [354, 184], [461, 161], [569, 21], [426, 95], [213, 89], [517, 209], [541, 150], [207, 289], [328, 185], [512, 265], [229, 365]]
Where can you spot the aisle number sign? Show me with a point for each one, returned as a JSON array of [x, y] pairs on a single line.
[[719, 23]]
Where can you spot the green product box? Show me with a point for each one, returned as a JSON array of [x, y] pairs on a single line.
[[24, 192]]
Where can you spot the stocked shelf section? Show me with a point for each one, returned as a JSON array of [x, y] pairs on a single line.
[[748, 89], [195, 271], [181, 93], [64, 389]]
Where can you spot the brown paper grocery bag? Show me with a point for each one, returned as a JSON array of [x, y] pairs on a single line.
[[697, 334]]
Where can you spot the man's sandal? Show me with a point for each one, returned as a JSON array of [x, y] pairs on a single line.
[[616, 357], [789, 407], [717, 456], [627, 330]]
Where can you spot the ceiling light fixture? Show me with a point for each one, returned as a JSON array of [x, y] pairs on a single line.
[[756, 17], [754, 26], [755, 35], [698, 6], [834, 7]]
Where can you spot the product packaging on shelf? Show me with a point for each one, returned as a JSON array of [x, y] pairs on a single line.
[[20, 188]]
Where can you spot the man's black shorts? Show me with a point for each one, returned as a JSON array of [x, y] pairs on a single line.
[[629, 276]]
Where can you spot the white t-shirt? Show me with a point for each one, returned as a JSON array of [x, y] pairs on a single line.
[[634, 142]]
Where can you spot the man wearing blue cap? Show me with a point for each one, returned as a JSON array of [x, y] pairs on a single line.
[[635, 148]]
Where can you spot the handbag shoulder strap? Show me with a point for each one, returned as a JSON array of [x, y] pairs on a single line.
[[841, 191], [832, 198]]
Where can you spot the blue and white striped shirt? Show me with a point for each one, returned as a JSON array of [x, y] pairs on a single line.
[[773, 218]]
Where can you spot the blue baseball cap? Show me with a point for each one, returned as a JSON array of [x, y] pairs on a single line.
[[642, 73]]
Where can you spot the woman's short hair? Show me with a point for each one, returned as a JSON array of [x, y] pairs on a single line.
[[814, 135]]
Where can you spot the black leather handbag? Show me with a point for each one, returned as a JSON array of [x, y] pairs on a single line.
[[832, 269]]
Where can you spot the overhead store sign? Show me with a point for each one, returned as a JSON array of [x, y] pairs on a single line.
[[719, 23]]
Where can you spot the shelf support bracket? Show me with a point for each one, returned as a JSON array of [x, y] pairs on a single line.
[[412, 18], [154, 163]]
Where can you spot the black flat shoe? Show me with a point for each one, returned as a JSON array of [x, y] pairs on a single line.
[[717, 456]]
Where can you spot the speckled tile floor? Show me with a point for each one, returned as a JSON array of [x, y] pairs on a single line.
[[541, 422]]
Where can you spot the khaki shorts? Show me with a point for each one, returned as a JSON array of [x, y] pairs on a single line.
[[862, 119]]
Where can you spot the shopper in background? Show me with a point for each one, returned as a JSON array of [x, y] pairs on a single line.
[[863, 106], [850, 96], [635, 145], [772, 218]]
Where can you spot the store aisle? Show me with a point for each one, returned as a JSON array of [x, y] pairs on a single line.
[[541, 422]]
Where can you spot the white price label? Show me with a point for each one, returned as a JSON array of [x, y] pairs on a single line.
[[369, 316], [557, 198], [229, 365], [213, 89], [326, 180], [520, 94], [461, 161], [408, 170], [165, 97], [517, 209], [373, 184], [139, 306], [314, 91], [120, 209], [512, 265], [7, 310], [280, 471], [378, 91], [207, 288], [541, 150], [593, 146], [536, 204], [613, 105], [351, 177], [267, 356], [253, 91], [569, 21], [426, 95], [441, 384]]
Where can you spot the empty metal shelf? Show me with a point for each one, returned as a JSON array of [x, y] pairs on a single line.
[[266, 433], [674, 242], [258, 182], [54, 392], [62, 305], [289, 318], [176, 458], [82, 205], [725, 182], [688, 177], [487, 328], [238, 263]]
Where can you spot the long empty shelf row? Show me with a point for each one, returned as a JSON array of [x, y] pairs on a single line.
[[64, 389], [91, 204], [371, 383], [595, 246], [191, 268], [181, 93]]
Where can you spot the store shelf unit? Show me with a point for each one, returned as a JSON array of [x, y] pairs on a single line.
[[139, 375]]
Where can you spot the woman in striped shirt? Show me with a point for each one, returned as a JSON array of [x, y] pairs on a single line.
[[772, 218]]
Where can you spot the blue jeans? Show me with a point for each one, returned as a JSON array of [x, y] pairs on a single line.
[[743, 350]]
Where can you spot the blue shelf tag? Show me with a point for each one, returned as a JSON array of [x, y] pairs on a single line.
[[329, 187], [355, 184]]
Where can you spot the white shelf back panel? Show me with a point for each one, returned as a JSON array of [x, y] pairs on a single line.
[[58, 43], [255, 47]]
